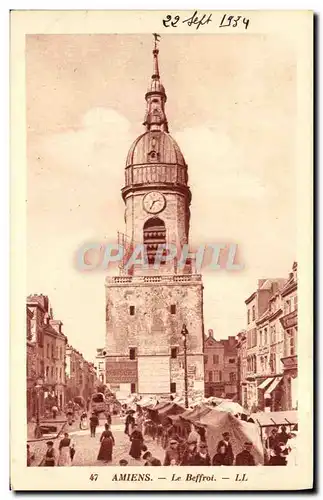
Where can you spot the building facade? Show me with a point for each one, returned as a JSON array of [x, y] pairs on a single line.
[[81, 378], [54, 361], [267, 351], [100, 366], [147, 305], [221, 367], [290, 327], [37, 307]]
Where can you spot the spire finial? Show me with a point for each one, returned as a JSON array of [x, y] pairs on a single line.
[[156, 40], [155, 53]]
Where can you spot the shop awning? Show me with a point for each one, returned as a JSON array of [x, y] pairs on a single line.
[[273, 386], [265, 383], [275, 418]]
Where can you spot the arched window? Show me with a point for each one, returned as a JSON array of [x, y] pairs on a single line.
[[154, 235]]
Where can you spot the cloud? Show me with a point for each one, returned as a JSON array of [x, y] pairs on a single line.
[[218, 166]]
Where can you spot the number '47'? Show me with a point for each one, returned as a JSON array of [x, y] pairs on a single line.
[[94, 477]]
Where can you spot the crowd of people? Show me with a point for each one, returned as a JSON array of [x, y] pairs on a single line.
[[180, 449], [189, 451], [280, 447]]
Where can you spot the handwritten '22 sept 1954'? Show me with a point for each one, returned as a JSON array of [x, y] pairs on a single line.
[[197, 21]]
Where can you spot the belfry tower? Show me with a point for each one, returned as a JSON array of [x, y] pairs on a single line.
[[146, 306]]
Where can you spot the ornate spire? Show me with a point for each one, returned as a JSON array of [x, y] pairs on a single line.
[[155, 118]]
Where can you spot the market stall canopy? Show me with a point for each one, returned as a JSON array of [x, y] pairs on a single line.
[[217, 422], [194, 415], [275, 418], [146, 402], [171, 409], [159, 406], [231, 407]]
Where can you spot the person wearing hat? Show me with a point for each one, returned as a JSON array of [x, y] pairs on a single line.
[[150, 460], [190, 453], [137, 443], [123, 462], [50, 457], [245, 457], [225, 443], [282, 436], [202, 456], [172, 452]]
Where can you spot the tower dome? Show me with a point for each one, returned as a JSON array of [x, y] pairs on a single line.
[[155, 145]]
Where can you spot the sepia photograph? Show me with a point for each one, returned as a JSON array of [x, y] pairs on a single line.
[[163, 251]]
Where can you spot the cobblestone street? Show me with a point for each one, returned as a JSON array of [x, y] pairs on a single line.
[[87, 447]]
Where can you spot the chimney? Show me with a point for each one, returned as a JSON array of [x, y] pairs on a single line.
[[210, 332], [56, 324]]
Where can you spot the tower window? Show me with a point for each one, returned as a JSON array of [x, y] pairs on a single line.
[[154, 235], [173, 309], [132, 310], [132, 353], [172, 387], [133, 388], [173, 352]]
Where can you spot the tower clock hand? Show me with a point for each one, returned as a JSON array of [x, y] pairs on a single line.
[[151, 206]]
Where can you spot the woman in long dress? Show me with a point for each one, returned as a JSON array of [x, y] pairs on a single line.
[[137, 442], [107, 443], [65, 447]]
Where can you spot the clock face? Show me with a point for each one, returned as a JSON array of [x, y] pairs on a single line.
[[154, 202]]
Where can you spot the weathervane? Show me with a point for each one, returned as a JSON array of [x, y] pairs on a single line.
[[157, 38]]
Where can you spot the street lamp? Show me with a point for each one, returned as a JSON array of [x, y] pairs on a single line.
[[38, 386], [184, 333]]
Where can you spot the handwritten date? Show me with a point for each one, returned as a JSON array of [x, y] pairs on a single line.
[[233, 21], [194, 20]]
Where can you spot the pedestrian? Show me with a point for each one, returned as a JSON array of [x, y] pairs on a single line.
[[168, 433], [158, 432], [277, 458], [137, 442], [150, 460], [202, 433], [202, 456], [220, 456], [123, 462], [94, 422], [229, 458], [129, 423], [65, 446], [172, 453], [282, 436], [69, 416], [83, 421], [193, 435], [190, 454], [54, 411], [245, 457], [272, 440], [107, 443], [50, 457], [108, 417]]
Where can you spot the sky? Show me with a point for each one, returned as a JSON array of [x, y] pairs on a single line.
[[231, 106]]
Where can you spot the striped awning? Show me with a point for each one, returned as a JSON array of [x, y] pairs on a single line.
[[273, 386], [265, 383]]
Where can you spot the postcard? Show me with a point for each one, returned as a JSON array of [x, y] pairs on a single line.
[[161, 242]]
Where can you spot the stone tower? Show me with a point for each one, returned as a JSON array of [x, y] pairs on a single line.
[[147, 306]]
